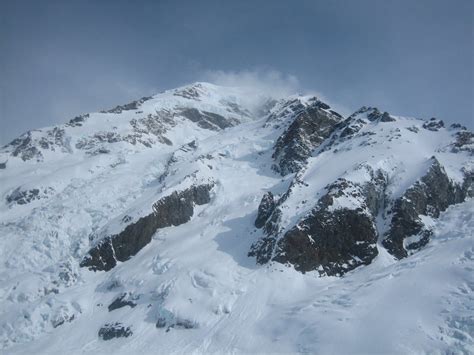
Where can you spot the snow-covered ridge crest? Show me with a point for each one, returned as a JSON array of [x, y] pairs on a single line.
[[157, 119]]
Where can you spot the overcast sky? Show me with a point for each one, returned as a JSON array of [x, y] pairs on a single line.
[[62, 58]]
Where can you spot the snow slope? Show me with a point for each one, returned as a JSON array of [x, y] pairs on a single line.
[[197, 276]]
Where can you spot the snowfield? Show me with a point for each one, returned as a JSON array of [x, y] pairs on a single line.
[[193, 288]]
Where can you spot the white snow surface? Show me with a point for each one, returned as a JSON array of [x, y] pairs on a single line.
[[200, 271]]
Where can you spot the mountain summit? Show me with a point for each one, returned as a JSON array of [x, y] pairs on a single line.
[[206, 219]]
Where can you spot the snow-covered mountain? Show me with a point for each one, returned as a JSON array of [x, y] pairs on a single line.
[[205, 219]]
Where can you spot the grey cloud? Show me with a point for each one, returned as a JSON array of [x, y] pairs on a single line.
[[62, 58]]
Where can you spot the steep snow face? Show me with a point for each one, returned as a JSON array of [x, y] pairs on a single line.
[[55, 209], [171, 186]]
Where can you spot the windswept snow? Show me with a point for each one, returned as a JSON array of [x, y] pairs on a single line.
[[421, 304], [196, 278]]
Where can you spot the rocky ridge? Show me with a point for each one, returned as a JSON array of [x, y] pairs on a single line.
[[172, 210], [335, 237]]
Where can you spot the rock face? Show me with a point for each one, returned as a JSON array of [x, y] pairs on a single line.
[[23, 197], [335, 237], [265, 209], [125, 299], [464, 142], [339, 233], [373, 114], [128, 107], [24, 148], [433, 124], [29, 145], [65, 314], [208, 120], [177, 323], [429, 196], [330, 242], [355, 122], [171, 210], [78, 120], [114, 330], [311, 126]]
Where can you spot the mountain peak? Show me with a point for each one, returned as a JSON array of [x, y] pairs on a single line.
[[169, 220]]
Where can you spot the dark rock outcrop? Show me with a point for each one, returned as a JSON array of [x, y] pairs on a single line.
[[95, 144], [336, 114], [433, 124], [457, 126], [354, 123], [65, 313], [464, 142], [125, 299], [23, 197], [29, 145], [320, 104], [161, 322], [175, 323], [373, 114], [127, 107], [24, 147], [311, 126], [56, 322], [352, 126], [114, 330], [286, 108], [77, 121], [429, 196], [330, 242], [152, 125], [208, 120], [171, 210], [262, 250], [332, 238], [265, 209], [184, 324], [55, 139], [386, 118]]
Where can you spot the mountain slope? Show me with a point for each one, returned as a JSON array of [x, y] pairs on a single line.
[[130, 230]]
